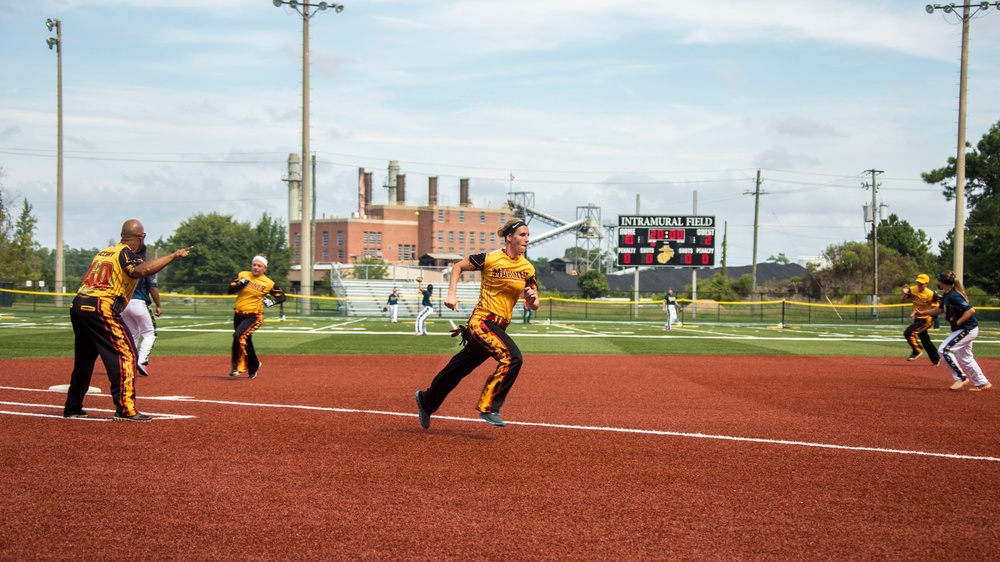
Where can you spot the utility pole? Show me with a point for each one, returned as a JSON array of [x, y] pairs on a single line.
[[756, 225], [967, 15], [875, 213], [694, 270]]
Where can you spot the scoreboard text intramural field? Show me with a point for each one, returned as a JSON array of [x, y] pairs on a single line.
[[676, 241]]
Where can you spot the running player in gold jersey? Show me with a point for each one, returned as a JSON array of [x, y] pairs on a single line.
[[98, 327], [507, 275], [254, 291], [923, 299]]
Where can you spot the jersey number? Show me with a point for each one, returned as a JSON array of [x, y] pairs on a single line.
[[99, 275]]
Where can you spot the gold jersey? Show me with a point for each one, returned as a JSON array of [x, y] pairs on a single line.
[[109, 274], [250, 297], [504, 279], [923, 300]]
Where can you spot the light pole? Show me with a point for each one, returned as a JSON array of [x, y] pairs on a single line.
[[967, 15], [56, 43], [306, 226]]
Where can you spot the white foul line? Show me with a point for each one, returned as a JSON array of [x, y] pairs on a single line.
[[533, 424]]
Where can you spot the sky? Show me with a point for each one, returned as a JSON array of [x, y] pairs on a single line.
[[178, 107]]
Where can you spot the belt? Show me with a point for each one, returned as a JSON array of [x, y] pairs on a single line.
[[502, 322]]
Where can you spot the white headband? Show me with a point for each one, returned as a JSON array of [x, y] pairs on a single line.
[[261, 259]]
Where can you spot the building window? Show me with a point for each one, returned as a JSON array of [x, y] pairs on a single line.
[[326, 238], [340, 238], [451, 250], [440, 237], [461, 216], [440, 215], [379, 238], [340, 255], [326, 255], [482, 237], [472, 237], [461, 252], [298, 239], [493, 238], [482, 217], [451, 236], [461, 237], [503, 218]]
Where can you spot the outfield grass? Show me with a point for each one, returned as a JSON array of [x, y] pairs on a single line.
[[49, 335]]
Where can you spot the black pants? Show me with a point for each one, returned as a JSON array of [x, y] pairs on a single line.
[[244, 357], [486, 340], [98, 331], [918, 338]]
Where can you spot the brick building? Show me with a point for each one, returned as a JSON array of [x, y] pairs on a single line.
[[401, 233]]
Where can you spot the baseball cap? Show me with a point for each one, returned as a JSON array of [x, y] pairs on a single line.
[[923, 278]]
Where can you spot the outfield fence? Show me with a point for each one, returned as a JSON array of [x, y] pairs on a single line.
[[781, 312]]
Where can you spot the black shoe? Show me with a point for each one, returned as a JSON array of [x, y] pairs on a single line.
[[492, 418], [936, 362], [234, 373], [425, 418], [134, 418], [141, 369], [913, 356], [74, 414], [254, 374]]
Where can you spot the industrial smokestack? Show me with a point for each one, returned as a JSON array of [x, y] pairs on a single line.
[[390, 182], [432, 190], [463, 192], [294, 187], [401, 189], [368, 191], [362, 209]]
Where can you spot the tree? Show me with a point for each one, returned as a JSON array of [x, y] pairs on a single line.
[[900, 236], [24, 247], [851, 270], [224, 247], [371, 268], [780, 258], [6, 231], [982, 246], [982, 170], [593, 284], [541, 265], [19, 260], [982, 189]]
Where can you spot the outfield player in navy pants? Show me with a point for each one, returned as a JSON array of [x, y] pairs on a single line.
[[98, 327]]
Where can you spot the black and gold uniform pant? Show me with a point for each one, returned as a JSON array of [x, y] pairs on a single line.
[[918, 338], [98, 330], [244, 357], [486, 339]]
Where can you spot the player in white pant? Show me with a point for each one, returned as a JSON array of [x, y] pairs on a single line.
[[426, 294], [139, 318], [670, 307], [956, 350]]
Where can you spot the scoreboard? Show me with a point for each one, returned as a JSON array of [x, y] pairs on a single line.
[[673, 241]]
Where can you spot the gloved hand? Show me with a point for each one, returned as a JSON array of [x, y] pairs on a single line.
[[268, 302], [243, 282]]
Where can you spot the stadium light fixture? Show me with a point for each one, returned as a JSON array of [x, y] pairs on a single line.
[[966, 16], [306, 225], [56, 43]]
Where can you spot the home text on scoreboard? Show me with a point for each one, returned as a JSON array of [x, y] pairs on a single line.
[[669, 241]]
